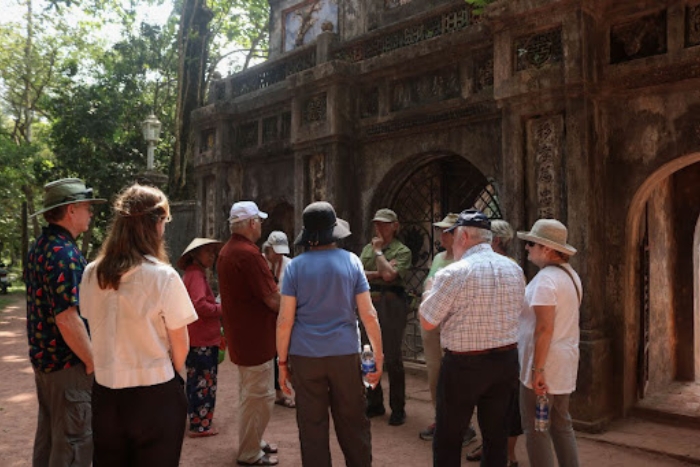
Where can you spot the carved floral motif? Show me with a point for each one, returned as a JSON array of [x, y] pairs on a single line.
[[314, 109], [537, 50], [692, 26], [436, 86], [643, 37], [545, 136], [317, 177]]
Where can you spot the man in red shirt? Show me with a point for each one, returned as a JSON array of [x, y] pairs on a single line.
[[250, 303]]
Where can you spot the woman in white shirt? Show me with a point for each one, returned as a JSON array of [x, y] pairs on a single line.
[[138, 310], [548, 343]]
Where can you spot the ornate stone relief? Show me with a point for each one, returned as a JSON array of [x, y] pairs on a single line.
[[317, 177], [369, 102], [451, 21], [269, 129], [483, 72], [545, 137], [643, 37], [247, 135], [208, 140], [209, 207], [436, 86], [314, 109], [692, 26], [537, 50]]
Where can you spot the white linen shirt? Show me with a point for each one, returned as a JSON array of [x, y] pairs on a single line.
[[476, 301], [128, 327], [552, 287]]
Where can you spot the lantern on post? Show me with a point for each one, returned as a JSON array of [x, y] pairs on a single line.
[[151, 133]]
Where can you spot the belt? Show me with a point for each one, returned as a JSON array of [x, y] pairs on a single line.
[[397, 289], [485, 351]]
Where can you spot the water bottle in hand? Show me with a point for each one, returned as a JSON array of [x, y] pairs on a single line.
[[542, 413], [368, 363]]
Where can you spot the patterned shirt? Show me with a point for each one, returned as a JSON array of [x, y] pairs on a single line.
[[54, 269], [476, 301]]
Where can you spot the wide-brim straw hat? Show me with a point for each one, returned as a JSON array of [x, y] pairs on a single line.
[[66, 191], [321, 226], [194, 244], [550, 233]]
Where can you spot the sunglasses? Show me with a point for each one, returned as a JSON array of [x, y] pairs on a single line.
[[531, 244]]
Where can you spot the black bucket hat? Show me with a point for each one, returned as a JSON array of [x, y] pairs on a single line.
[[321, 226]]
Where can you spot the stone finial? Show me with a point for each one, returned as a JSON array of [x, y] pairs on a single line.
[[327, 26]]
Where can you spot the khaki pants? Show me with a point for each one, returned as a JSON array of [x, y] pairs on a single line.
[[256, 401], [64, 428], [432, 353]]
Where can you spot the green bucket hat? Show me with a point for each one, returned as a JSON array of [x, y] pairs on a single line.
[[66, 191]]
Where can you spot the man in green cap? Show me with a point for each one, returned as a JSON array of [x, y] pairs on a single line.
[[59, 344], [386, 261]]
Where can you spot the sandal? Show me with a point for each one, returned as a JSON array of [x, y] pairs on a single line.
[[264, 460], [270, 448], [475, 454], [203, 434], [284, 402]]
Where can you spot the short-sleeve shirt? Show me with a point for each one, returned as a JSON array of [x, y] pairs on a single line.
[[130, 343], [552, 287], [54, 269], [325, 284], [477, 301], [440, 261], [244, 282], [394, 250]]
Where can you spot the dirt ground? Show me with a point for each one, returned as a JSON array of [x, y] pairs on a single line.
[[392, 446]]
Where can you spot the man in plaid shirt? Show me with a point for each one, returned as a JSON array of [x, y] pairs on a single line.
[[477, 302]]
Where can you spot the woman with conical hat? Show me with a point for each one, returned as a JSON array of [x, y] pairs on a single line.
[[548, 343], [205, 336]]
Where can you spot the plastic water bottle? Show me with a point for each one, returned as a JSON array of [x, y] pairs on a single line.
[[542, 413], [368, 363]]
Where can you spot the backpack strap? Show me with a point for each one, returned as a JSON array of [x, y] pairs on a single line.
[[578, 293]]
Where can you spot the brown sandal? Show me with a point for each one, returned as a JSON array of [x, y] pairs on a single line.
[[203, 434]]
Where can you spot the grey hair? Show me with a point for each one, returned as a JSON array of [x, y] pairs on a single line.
[[483, 235], [503, 230], [236, 225]]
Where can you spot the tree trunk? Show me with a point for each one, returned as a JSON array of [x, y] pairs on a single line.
[[193, 40]]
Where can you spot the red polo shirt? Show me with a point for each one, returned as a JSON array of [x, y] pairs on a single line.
[[244, 282]]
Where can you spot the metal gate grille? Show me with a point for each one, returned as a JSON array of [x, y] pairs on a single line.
[[645, 309], [447, 185]]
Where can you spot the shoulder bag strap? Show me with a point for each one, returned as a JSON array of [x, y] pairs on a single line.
[[578, 293]]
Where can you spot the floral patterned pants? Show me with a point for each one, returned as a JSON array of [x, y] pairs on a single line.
[[202, 365]]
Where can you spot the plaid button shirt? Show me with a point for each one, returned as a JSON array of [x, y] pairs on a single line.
[[477, 301]]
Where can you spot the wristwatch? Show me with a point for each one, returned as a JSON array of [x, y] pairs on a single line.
[[379, 253]]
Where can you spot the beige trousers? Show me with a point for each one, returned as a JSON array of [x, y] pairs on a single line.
[[433, 358], [256, 401]]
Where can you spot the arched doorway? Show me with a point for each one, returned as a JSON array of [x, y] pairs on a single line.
[[436, 187], [662, 345]]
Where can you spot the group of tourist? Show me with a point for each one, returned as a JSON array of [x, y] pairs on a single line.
[[124, 350]]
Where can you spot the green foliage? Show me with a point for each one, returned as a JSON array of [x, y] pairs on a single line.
[[479, 5]]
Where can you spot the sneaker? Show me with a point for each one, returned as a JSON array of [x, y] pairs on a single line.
[[428, 433], [397, 418], [469, 436]]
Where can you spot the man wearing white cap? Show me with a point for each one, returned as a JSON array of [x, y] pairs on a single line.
[[59, 344], [250, 302]]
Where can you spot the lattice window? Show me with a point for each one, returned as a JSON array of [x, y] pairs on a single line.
[[643, 37], [438, 85], [273, 73], [537, 50]]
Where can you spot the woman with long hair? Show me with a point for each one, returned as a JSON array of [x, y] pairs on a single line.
[[138, 310]]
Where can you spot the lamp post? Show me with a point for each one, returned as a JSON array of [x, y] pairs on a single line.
[[151, 133]]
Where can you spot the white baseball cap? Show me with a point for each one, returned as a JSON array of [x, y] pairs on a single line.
[[243, 210], [278, 241]]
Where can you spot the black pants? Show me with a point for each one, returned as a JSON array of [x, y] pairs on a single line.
[[487, 382], [335, 382], [139, 426], [391, 311]]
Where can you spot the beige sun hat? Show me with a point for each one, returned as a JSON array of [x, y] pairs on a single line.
[[66, 191], [182, 263], [550, 233], [449, 221]]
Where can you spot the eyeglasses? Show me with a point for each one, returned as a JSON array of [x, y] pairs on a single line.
[[259, 219]]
